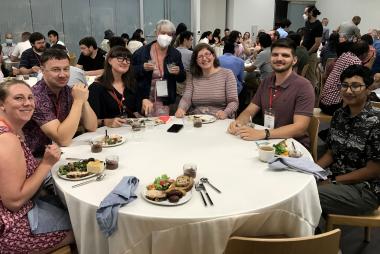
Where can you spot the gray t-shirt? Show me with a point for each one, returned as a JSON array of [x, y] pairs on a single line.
[[186, 57], [76, 76], [349, 29], [262, 63]]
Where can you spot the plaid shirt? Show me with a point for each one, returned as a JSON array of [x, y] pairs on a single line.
[[355, 140], [331, 93]]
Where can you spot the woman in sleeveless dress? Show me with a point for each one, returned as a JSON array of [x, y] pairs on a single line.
[[21, 175]]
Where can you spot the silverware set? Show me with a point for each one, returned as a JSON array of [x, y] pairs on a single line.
[[201, 188], [98, 178]]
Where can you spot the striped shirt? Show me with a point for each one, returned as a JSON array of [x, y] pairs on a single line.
[[209, 94], [331, 93]]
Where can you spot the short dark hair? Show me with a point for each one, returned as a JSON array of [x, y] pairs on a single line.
[[59, 46], [53, 53], [36, 36], [107, 78], [295, 37], [53, 32], [229, 47], [184, 35], [285, 23], [116, 41], [88, 42], [368, 38], [226, 29], [360, 48], [234, 35], [25, 36], [357, 70], [265, 40], [195, 70], [314, 11], [285, 43], [125, 36]]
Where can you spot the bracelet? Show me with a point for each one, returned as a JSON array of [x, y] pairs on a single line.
[[267, 134]]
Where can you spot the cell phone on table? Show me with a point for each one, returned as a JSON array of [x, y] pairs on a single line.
[[175, 128]]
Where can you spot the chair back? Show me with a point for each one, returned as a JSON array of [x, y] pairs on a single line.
[[313, 134], [304, 70], [375, 104], [72, 58], [327, 243]]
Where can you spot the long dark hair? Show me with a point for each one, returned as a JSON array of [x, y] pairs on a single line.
[[195, 70], [107, 79]]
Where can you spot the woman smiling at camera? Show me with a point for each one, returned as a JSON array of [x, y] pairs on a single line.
[[21, 175], [210, 89], [112, 95]]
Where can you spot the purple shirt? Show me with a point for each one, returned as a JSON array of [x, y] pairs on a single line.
[[295, 96], [48, 108]]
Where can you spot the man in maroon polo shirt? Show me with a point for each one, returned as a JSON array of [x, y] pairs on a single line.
[[285, 99]]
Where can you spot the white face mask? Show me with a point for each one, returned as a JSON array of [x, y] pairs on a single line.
[[164, 40], [305, 17]]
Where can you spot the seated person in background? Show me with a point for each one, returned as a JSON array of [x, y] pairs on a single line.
[[284, 28], [262, 61], [112, 95], [30, 62], [3, 72], [353, 154], [104, 45], [330, 49], [185, 42], [235, 64], [301, 52], [21, 47], [59, 108], [135, 42], [91, 59], [21, 175], [210, 89], [285, 99], [8, 46], [116, 41], [54, 38]]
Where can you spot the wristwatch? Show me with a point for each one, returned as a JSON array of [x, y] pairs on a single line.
[[267, 134]]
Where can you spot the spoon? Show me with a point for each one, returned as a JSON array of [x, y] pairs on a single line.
[[98, 178]]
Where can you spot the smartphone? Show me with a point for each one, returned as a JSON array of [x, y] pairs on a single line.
[[175, 128]]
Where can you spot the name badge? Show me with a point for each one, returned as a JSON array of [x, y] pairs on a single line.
[[269, 119], [162, 88]]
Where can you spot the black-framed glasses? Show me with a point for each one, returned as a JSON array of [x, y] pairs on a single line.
[[355, 87], [121, 59]]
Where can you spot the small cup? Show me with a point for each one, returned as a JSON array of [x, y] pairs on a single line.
[[138, 133], [266, 153], [187, 122], [25, 77], [96, 147], [190, 169], [112, 162], [170, 66], [197, 122]]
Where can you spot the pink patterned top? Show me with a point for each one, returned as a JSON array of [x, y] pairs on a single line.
[[15, 234]]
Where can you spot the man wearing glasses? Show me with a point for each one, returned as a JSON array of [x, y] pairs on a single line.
[[353, 154], [59, 108]]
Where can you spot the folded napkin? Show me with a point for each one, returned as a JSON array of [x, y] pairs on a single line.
[[302, 164], [122, 194], [47, 216]]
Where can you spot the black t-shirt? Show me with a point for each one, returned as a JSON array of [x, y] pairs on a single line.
[[312, 31], [29, 58], [104, 104], [90, 64]]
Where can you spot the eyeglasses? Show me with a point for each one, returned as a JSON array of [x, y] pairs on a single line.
[[355, 87], [205, 55], [121, 59]]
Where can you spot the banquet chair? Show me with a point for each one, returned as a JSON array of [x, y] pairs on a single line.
[[375, 104], [321, 116], [326, 243], [304, 70], [63, 250], [72, 58], [368, 221], [313, 134]]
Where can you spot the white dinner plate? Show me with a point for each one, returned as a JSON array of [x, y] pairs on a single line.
[[75, 179], [204, 118], [181, 201], [101, 138]]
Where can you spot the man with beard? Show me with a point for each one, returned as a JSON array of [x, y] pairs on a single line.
[[285, 99], [59, 108], [31, 58]]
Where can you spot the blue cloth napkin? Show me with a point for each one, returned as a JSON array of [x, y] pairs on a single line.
[[122, 194], [302, 164], [46, 216]]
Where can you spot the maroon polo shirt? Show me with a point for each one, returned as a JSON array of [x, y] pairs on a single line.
[[295, 96]]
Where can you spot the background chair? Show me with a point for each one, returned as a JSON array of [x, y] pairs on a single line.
[[367, 222], [321, 116], [375, 104], [313, 134], [304, 70], [63, 250], [327, 243]]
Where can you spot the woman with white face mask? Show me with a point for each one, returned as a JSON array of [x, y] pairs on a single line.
[[158, 67]]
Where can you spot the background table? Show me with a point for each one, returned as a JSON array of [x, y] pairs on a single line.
[[254, 200]]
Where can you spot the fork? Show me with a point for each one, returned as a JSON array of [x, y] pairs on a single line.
[[199, 189]]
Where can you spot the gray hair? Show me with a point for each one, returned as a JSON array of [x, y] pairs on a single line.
[[167, 23]]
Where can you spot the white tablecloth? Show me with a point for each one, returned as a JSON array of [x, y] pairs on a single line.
[[254, 200]]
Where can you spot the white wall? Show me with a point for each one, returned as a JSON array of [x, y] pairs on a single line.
[[338, 11], [213, 15], [243, 14]]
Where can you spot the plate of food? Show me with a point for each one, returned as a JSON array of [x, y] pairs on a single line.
[[169, 192], [283, 148], [110, 140], [80, 170], [204, 118]]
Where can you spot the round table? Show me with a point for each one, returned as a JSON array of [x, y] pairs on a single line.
[[254, 199]]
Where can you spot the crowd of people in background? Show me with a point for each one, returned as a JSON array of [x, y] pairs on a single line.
[[270, 77]]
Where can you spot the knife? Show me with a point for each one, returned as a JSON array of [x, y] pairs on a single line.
[[208, 196]]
